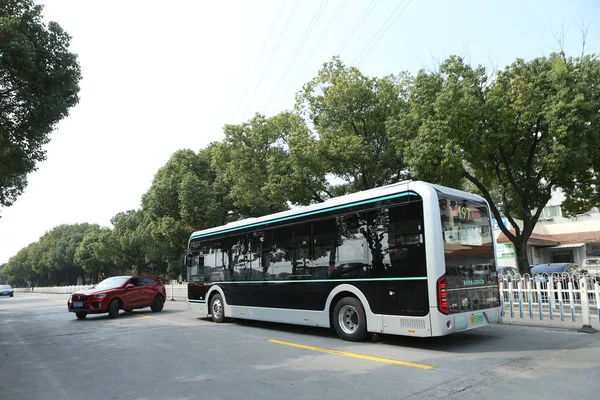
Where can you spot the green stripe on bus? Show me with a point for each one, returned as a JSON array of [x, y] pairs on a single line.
[[418, 278], [393, 196]]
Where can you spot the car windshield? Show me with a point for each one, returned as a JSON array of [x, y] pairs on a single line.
[[4, 287], [549, 269], [114, 282]]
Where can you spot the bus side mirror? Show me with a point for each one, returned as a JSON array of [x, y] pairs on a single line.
[[188, 260]]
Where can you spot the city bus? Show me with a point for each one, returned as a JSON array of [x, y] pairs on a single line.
[[411, 258]]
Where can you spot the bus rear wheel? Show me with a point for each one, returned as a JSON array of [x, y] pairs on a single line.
[[349, 319], [217, 311]]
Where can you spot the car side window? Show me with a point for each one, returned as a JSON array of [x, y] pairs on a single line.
[[146, 282], [134, 281]]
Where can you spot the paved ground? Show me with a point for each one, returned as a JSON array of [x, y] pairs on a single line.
[[47, 354]]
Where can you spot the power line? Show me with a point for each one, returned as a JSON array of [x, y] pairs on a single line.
[[307, 33], [321, 38], [380, 28], [382, 35], [357, 25], [273, 52], [260, 56]]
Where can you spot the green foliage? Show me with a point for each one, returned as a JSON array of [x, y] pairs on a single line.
[[39, 80], [129, 241], [19, 269], [92, 256], [267, 162], [515, 137], [186, 195], [52, 259], [349, 112]]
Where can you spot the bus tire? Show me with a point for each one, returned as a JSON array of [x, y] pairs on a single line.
[[349, 319], [217, 310]]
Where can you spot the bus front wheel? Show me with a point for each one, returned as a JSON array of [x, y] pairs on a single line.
[[349, 319], [217, 311]]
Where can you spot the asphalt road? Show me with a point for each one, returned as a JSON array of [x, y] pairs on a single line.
[[47, 354]]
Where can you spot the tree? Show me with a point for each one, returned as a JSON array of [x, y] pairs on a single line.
[[3, 276], [520, 134], [39, 80], [54, 254], [186, 195], [268, 162], [19, 269], [129, 242], [348, 111], [51, 260], [90, 255]]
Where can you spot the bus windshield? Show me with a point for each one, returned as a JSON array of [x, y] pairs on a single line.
[[471, 277]]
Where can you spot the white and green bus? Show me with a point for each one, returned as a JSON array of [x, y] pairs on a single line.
[[410, 258]]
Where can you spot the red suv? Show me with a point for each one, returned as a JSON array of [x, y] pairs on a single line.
[[118, 293]]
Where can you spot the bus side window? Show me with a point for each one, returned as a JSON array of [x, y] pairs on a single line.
[[289, 256], [406, 240], [258, 258], [213, 262], [352, 251], [323, 254], [235, 264], [196, 271], [377, 239]]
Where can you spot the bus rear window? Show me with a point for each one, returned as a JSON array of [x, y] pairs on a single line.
[[471, 277]]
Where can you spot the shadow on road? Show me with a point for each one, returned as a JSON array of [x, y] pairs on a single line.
[[493, 338]]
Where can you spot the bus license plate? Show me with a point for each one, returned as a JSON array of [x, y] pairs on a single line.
[[79, 305], [476, 319]]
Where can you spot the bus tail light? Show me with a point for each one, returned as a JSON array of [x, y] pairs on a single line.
[[442, 296]]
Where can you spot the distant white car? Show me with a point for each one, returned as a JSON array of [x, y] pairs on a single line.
[[591, 265], [6, 290], [483, 269]]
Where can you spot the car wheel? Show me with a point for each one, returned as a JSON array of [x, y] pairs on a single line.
[[217, 311], [157, 304], [11, 295], [113, 308], [349, 319], [80, 315]]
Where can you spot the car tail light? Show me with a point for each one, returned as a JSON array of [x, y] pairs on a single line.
[[442, 296]]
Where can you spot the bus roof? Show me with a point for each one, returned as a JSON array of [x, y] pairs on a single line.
[[416, 187]]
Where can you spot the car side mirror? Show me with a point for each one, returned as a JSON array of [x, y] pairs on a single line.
[[129, 286]]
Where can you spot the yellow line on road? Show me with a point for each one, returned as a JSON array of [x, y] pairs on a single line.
[[361, 356], [141, 315]]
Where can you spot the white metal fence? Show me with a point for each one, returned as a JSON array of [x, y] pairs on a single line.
[[53, 289], [556, 297], [175, 291]]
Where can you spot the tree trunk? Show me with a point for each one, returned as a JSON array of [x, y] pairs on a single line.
[[521, 254]]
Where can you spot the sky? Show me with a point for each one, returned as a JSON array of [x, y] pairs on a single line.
[[163, 76]]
